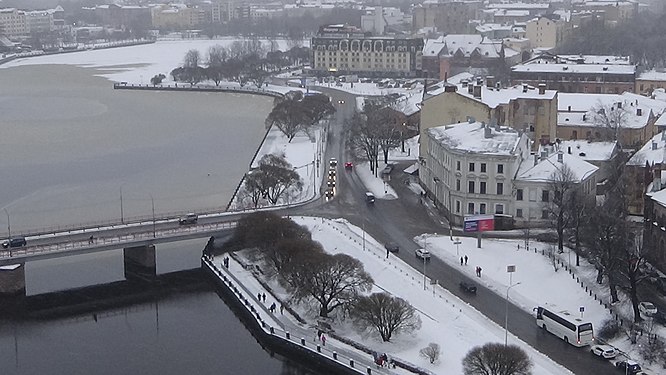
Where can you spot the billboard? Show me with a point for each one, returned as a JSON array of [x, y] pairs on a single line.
[[479, 223]]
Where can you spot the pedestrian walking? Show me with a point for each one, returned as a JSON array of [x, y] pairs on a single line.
[[387, 253], [272, 308], [477, 271], [263, 296], [319, 333], [323, 339], [518, 247], [90, 240], [466, 259], [281, 309], [259, 296], [480, 271], [461, 261]]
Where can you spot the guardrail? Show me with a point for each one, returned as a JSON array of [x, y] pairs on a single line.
[[202, 88], [277, 335]]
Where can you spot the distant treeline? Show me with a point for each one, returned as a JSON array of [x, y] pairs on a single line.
[[643, 38]]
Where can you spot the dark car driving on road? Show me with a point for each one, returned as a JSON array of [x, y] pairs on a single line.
[[14, 242], [392, 247], [468, 287]]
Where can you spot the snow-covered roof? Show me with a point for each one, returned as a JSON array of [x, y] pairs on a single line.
[[536, 6], [409, 103], [581, 109], [465, 43], [493, 97], [438, 88], [593, 59], [652, 152], [575, 68], [652, 75], [545, 169], [586, 150], [486, 27], [471, 137]]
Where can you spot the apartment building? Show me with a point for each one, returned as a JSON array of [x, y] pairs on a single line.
[[446, 17], [13, 23], [547, 32], [176, 16], [644, 172], [530, 110], [342, 49]]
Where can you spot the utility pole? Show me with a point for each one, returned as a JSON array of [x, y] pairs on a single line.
[[122, 216], [152, 202], [9, 226]]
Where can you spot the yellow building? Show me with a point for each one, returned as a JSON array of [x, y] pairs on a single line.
[[546, 32], [530, 110], [176, 16]]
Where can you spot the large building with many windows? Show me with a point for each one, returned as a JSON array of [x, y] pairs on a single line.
[[341, 49]]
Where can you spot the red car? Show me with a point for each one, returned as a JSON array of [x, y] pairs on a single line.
[[349, 165]]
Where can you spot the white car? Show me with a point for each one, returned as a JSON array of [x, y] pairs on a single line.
[[604, 351], [647, 308], [422, 253]]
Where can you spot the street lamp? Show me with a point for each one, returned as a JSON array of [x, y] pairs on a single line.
[[457, 242], [425, 247], [122, 216], [9, 227], [152, 202], [506, 313]]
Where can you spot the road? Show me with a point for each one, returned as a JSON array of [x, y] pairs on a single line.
[[403, 219]]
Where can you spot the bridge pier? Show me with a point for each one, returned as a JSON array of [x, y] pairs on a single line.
[[140, 263], [12, 280]]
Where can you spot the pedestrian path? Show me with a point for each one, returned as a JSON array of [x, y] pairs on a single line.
[[282, 324]]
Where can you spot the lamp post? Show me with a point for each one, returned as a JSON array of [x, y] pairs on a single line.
[[9, 226], [506, 314], [152, 203], [457, 242], [425, 247], [122, 215]]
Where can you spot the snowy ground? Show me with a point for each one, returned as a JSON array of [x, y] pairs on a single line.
[[445, 318]]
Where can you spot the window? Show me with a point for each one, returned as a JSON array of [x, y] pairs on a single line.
[[544, 195], [457, 165], [519, 194], [574, 135], [544, 214], [471, 167], [482, 187], [499, 208], [457, 185], [500, 188], [482, 208], [470, 187], [500, 168], [483, 167], [457, 207], [519, 212], [470, 208]]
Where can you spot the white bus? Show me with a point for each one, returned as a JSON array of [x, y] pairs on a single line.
[[569, 328]]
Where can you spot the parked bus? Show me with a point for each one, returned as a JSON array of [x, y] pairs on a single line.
[[569, 328]]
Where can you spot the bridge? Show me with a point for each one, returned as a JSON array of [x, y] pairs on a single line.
[[138, 239]]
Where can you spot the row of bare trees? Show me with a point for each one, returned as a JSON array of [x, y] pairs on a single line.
[[601, 231], [296, 112], [375, 131], [244, 61], [334, 285]]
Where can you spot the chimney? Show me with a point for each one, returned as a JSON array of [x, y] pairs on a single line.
[[490, 81], [654, 145], [542, 88], [560, 157], [450, 88], [477, 91], [639, 112], [656, 181], [479, 81], [525, 87], [569, 109], [544, 155], [487, 132], [619, 105], [569, 150]]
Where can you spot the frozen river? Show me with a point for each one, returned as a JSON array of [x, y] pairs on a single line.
[[70, 146]]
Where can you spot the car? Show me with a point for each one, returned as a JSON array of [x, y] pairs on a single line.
[[188, 219], [388, 169], [422, 254], [604, 351], [349, 165], [332, 162], [14, 242], [468, 287], [331, 173], [629, 366], [369, 197], [392, 247], [331, 183], [647, 308], [341, 102], [329, 193]]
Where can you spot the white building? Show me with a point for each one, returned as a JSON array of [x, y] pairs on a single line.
[[469, 167]]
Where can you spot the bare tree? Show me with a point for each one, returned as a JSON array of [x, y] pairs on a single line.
[[431, 352], [217, 55], [290, 115], [497, 359], [562, 185], [386, 314], [331, 281], [290, 250], [192, 59], [318, 107], [264, 230], [611, 118], [276, 176], [632, 266]]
